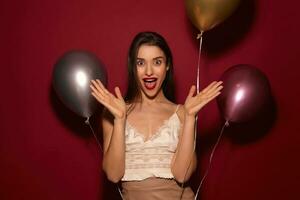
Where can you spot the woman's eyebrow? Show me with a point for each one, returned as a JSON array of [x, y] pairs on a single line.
[[159, 57], [156, 58]]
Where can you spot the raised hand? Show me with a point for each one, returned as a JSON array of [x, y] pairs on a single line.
[[193, 103], [115, 104]]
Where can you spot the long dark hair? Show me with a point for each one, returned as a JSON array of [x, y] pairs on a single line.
[[150, 38]]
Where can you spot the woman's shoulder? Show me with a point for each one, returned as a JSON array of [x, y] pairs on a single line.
[[180, 112], [178, 109], [170, 106]]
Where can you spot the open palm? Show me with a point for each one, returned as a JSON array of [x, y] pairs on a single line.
[[193, 103], [115, 104]]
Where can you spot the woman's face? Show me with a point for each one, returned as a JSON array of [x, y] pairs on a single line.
[[151, 69]]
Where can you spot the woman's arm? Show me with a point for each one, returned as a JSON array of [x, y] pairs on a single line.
[[184, 161], [113, 123], [113, 147]]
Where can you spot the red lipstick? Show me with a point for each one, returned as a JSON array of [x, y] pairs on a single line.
[[149, 83]]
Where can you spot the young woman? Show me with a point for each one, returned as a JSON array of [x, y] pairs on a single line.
[[148, 139]]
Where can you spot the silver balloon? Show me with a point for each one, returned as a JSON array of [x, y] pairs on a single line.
[[71, 80]]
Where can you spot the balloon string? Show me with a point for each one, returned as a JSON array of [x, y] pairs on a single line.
[[87, 121], [199, 36], [120, 192], [226, 124]]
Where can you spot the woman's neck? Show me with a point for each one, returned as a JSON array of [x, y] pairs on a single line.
[[159, 98]]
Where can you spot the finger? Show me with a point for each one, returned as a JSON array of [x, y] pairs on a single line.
[[204, 102], [212, 97], [213, 85], [219, 83], [98, 98], [94, 90], [191, 92], [103, 102], [102, 90], [118, 93], [101, 93], [97, 92], [98, 88], [214, 89], [102, 86], [208, 87], [219, 88]]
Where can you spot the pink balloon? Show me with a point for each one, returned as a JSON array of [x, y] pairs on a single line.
[[246, 91]]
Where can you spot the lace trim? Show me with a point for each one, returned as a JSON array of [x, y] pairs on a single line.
[[157, 133]]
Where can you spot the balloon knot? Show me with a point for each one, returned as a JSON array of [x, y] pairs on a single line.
[[87, 122], [200, 35], [226, 123]]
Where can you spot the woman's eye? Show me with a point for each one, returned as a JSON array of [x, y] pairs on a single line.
[[157, 62], [139, 63]]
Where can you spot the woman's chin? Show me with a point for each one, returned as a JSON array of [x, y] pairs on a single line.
[[151, 94]]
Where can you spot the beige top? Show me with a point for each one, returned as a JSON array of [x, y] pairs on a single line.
[[151, 158]]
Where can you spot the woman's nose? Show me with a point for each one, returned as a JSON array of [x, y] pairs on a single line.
[[149, 70]]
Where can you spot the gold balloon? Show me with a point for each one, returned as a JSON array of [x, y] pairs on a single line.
[[206, 14]]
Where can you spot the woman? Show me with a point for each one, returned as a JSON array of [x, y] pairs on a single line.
[[148, 139]]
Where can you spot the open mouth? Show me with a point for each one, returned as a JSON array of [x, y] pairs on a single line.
[[149, 83]]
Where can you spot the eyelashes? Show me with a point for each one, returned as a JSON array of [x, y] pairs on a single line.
[[155, 62]]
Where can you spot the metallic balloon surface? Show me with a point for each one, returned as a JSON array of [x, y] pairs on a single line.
[[71, 80], [246, 91], [206, 14]]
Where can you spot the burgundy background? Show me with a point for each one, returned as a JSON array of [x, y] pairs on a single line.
[[48, 153]]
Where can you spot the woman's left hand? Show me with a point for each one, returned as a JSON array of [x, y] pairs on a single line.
[[193, 103]]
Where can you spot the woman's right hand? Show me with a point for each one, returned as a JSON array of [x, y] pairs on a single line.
[[115, 104]]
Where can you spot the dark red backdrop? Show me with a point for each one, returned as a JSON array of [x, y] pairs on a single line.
[[47, 152]]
